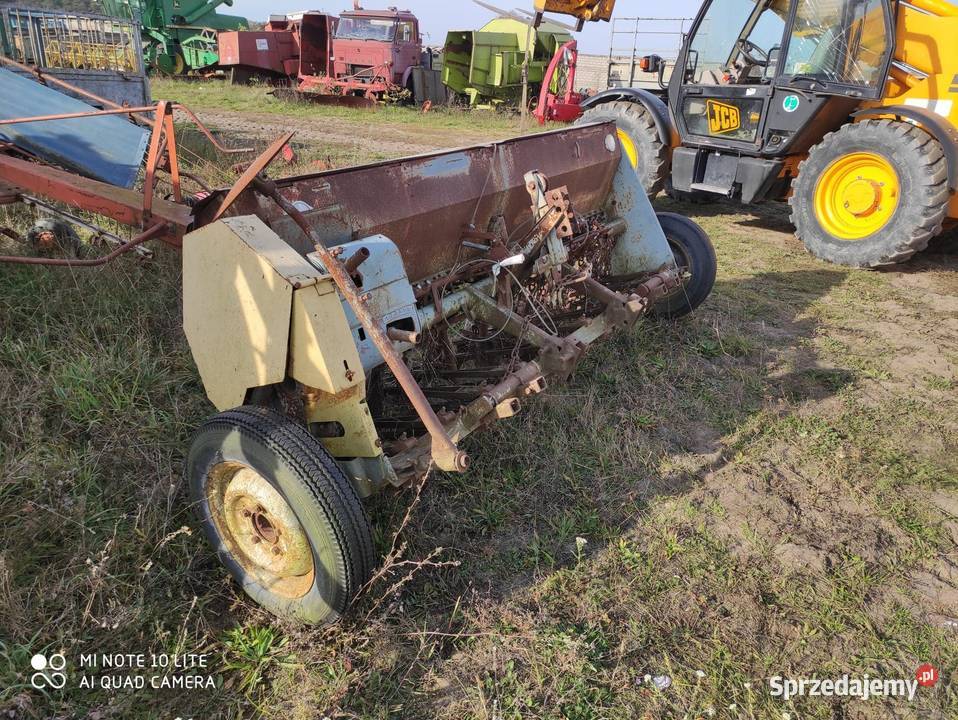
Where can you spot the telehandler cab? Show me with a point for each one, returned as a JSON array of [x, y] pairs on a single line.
[[844, 108]]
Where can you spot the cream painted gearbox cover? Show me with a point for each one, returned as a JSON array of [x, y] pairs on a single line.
[[239, 282]]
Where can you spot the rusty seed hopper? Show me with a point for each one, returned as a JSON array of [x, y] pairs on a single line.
[[354, 327]]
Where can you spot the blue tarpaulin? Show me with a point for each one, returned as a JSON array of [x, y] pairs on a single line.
[[107, 148]]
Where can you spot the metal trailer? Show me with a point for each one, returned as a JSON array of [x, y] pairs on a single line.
[[100, 54], [353, 328]]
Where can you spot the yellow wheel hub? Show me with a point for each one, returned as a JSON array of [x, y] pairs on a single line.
[[856, 196], [628, 147]]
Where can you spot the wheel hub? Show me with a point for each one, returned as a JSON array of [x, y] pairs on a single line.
[[260, 529], [856, 195], [863, 197]]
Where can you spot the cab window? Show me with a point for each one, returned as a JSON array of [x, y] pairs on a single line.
[[737, 42], [843, 42], [405, 32]]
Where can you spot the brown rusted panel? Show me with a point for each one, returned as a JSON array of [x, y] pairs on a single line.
[[424, 203]]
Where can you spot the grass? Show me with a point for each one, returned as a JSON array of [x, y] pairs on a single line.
[[766, 488], [257, 99]]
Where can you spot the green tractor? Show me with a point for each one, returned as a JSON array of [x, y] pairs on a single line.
[[179, 36]]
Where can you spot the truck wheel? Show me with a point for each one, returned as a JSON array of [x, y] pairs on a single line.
[[693, 253], [639, 139], [280, 513], [872, 193]]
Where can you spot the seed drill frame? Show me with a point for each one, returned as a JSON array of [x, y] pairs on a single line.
[[317, 286]]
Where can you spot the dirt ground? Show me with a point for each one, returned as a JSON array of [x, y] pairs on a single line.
[[767, 488], [343, 135]]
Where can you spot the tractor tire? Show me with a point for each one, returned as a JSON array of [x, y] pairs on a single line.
[[639, 139], [870, 194], [280, 513], [693, 253]]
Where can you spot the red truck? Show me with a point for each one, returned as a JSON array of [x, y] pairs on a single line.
[[365, 53]]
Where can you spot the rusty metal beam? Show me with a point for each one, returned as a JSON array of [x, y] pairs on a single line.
[[444, 451], [157, 231], [124, 206], [251, 173]]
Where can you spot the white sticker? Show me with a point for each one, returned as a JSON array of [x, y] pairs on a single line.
[[262, 44], [939, 107]]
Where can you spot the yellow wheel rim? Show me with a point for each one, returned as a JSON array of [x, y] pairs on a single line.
[[628, 147], [856, 196], [179, 64], [260, 530]]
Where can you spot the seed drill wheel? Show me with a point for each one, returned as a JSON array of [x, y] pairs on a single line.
[[280, 513], [872, 193], [639, 139], [695, 255]]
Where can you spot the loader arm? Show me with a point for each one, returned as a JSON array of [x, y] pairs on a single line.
[[583, 10]]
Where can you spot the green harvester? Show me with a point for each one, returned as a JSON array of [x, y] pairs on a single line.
[[179, 36], [485, 65]]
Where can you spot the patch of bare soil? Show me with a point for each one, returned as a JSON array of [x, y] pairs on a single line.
[[393, 139]]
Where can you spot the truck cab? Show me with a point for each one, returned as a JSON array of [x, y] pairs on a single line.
[[378, 45]]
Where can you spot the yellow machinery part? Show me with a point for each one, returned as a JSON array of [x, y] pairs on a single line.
[[924, 33], [256, 312], [628, 147], [856, 196], [581, 9]]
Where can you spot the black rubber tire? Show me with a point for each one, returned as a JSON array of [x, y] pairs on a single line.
[[922, 172], [324, 501], [635, 121], [693, 251]]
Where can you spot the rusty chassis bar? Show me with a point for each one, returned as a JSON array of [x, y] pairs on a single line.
[[156, 231], [444, 451]]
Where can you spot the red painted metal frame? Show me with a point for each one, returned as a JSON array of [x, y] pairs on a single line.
[[377, 85], [565, 107], [126, 206]]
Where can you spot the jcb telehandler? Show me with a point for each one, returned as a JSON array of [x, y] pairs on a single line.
[[846, 108]]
